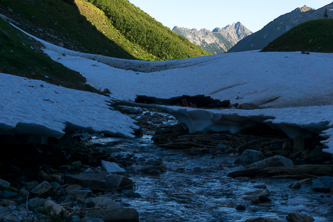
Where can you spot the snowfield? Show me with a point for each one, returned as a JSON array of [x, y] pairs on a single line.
[[39, 108], [294, 90]]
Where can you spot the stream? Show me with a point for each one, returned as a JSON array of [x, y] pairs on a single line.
[[195, 187]]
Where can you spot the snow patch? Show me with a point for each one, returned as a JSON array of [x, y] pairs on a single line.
[[39, 108]]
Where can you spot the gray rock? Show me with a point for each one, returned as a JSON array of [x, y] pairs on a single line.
[[31, 185], [91, 219], [119, 214], [44, 189], [273, 162], [249, 156], [296, 217], [317, 156], [79, 193], [35, 202], [12, 213], [112, 167], [4, 184], [322, 184], [102, 202]]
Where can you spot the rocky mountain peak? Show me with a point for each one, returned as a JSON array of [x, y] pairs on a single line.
[[305, 8]]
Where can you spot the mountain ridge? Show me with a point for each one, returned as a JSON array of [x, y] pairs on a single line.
[[220, 40], [279, 26]]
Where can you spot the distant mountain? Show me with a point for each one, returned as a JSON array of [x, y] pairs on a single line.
[[279, 26], [218, 41]]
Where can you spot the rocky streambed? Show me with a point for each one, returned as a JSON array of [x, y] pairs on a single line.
[[166, 175]]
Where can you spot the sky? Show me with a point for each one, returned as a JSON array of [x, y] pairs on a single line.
[[210, 14]]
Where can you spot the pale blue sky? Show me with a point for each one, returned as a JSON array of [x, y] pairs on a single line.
[[209, 14]]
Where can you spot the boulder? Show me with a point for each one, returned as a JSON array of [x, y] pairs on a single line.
[[322, 184], [296, 217], [44, 189], [249, 156], [273, 162], [112, 167], [102, 202]]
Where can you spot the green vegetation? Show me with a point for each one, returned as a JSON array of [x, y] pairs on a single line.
[[79, 25], [140, 28], [313, 36], [21, 55]]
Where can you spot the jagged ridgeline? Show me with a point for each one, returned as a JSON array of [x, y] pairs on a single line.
[[140, 28], [113, 28], [313, 36]]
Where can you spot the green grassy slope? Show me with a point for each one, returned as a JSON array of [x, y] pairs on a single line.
[[21, 55], [80, 25], [140, 28], [314, 36]]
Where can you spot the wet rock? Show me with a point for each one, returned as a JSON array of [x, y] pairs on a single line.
[[112, 167], [258, 196], [263, 219], [128, 109], [295, 185], [118, 181], [35, 202], [273, 162], [4, 184], [322, 184], [296, 217], [101, 202], [119, 214], [249, 156], [44, 189], [240, 208], [91, 219], [131, 194], [260, 186]]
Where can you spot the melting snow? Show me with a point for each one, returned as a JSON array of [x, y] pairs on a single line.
[[295, 89]]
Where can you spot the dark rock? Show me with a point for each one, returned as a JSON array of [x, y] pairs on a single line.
[[258, 196], [44, 189], [128, 109], [240, 208], [317, 156], [298, 144], [118, 181], [131, 194], [119, 214], [224, 148], [273, 162], [263, 219], [249, 156], [295, 185], [296, 217], [8, 194], [199, 101], [35, 202], [31, 185], [12, 213], [322, 184], [91, 181], [4, 184], [79, 193]]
